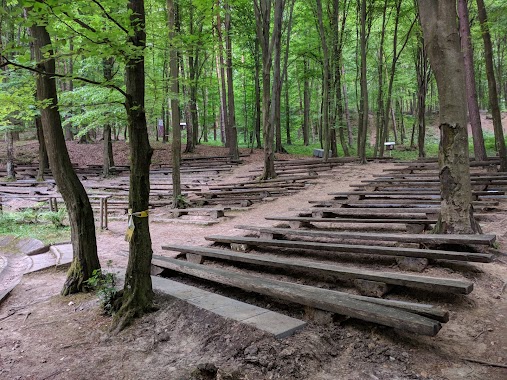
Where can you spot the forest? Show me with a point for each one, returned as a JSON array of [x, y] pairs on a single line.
[[344, 76]]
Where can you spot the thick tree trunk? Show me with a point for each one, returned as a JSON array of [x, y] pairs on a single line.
[[84, 243], [493, 95], [275, 111], [223, 81], [438, 20], [137, 292], [473, 105]]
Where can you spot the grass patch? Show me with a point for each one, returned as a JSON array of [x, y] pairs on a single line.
[[47, 227]]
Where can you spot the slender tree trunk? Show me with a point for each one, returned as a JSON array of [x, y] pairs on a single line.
[[438, 20], [257, 95], [175, 108], [347, 111], [325, 83], [233, 135], [379, 121], [473, 105], [285, 73], [275, 110], [493, 95], [84, 243], [262, 10], [108, 160], [43, 154], [363, 117], [11, 175], [306, 105]]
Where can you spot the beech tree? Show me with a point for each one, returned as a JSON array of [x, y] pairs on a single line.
[[441, 38], [84, 245], [137, 296]]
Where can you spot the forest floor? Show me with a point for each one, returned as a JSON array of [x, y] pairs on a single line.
[[46, 336]]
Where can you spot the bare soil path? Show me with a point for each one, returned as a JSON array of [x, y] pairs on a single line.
[[46, 336]]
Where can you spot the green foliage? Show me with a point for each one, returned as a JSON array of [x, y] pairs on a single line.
[[104, 283], [33, 223]]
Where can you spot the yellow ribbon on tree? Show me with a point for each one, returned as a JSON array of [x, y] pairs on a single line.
[[130, 225]]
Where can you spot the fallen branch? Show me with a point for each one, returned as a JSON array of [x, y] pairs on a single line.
[[485, 363]]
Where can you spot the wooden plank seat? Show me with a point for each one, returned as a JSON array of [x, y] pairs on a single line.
[[432, 284], [278, 233], [409, 193], [420, 221], [399, 202], [355, 249], [226, 192], [214, 213], [259, 186], [364, 308]]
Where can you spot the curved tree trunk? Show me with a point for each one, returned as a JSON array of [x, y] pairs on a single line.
[[137, 293], [438, 20], [82, 224]]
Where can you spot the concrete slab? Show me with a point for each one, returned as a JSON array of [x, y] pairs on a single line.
[[274, 323], [277, 324]]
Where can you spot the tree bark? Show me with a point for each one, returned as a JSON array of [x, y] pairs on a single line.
[[276, 92], [257, 95], [363, 108], [262, 10], [306, 104], [438, 20], [175, 108], [473, 105], [84, 243], [137, 295], [108, 158], [493, 94], [233, 134], [43, 154]]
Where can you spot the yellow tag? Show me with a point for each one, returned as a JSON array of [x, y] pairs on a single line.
[[130, 229]]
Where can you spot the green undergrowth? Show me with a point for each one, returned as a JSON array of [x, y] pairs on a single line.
[[45, 226]]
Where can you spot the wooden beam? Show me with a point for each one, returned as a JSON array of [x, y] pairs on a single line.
[[402, 238], [329, 300], [352, 248], [433, 284]]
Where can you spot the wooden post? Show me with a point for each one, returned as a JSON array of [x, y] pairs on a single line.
[[101, 213], [105, 213]]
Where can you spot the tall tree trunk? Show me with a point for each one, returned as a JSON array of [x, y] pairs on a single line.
[[108, 160], [275, 111], [473, 105], [84, 243], [363, 113], [423, 72], [257, 95], [175, 108], [438, 20], [222, 78], [347, 112], [262, 10], [137, 292], [285, 72], [233, 135], [379, 121], [43, 154], [11, 175], [493, 95], [325, 83], [306, 104]]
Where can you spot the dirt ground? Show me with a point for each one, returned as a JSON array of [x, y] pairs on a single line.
[[46, 336]]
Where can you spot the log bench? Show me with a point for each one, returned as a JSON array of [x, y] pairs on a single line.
[[430, 239], [214, 213], [411, 225], [432, 254], [432, 284], [389, 313]]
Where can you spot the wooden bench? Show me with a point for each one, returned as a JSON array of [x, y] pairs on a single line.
[[412, 225], [430, 239], [432, 254], [394, 314], [432, 284], [214, 213]]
